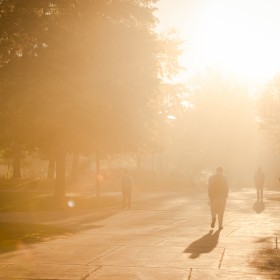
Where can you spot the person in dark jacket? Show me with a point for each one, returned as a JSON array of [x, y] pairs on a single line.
[[259, 183], [126, 186], [218, 193]]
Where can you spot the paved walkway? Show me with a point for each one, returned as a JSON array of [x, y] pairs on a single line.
[[163, 236]]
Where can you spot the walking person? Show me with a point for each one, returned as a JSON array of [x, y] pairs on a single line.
[[218, 193], [126, 185], [259, 183]]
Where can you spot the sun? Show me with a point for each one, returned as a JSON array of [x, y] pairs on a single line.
[[239, 37], [238, 43]]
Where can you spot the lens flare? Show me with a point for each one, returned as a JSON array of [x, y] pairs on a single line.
[[71, 204]]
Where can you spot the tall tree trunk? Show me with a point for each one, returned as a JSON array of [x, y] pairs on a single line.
[[74, 170], [139, 161], [16, 161], [51, 169], [153, 162], [8, 176], [60, 175], [160, 162], [97, 177]]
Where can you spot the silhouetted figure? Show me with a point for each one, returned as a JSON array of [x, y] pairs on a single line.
[[259, 183], [126, 184], [218, 193], [205, 244]]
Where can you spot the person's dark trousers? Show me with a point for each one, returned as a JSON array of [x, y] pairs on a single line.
[[126, 198], [217, 209], [260, 194]]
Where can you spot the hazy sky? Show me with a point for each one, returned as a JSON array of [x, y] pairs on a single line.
[[238, 36]]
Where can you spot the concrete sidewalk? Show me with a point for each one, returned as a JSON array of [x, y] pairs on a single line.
[[163, 236]]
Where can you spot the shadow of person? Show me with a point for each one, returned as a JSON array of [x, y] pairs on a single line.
[[258, 207], [203, 245]]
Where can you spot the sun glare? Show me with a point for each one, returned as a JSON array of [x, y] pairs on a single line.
[[237, 43], [237, 37]]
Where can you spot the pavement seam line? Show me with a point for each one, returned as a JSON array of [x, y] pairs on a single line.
[[162, 240], [173, 226], [222, 257], [145, 266], [106, 254], [233, 231], [89, 273]]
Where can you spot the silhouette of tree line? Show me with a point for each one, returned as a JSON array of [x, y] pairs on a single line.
[[80, 77]]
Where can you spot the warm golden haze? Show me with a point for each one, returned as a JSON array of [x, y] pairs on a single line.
[[238, 37], [98, 81], [131, 151]]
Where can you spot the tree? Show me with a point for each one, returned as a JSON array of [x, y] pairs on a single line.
[[214, 127], [89, 71], [21, 25]]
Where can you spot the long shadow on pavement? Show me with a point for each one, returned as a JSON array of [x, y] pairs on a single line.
[[203, 245], [258, 207], [15, 236], [27, 218]]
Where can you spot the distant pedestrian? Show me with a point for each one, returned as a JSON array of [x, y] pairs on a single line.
[[127, 185], [218, 193], [259, 183]]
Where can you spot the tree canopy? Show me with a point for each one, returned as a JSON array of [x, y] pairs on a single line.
[[76, 74]]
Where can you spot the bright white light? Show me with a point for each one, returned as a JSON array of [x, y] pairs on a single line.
[[186, 104], [236, 37], [171, 117], [237, 43], [71, 203]]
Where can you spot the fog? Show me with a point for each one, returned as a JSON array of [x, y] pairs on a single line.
[[84, 98]]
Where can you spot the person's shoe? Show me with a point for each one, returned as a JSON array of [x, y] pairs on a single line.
[[213, 223]]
